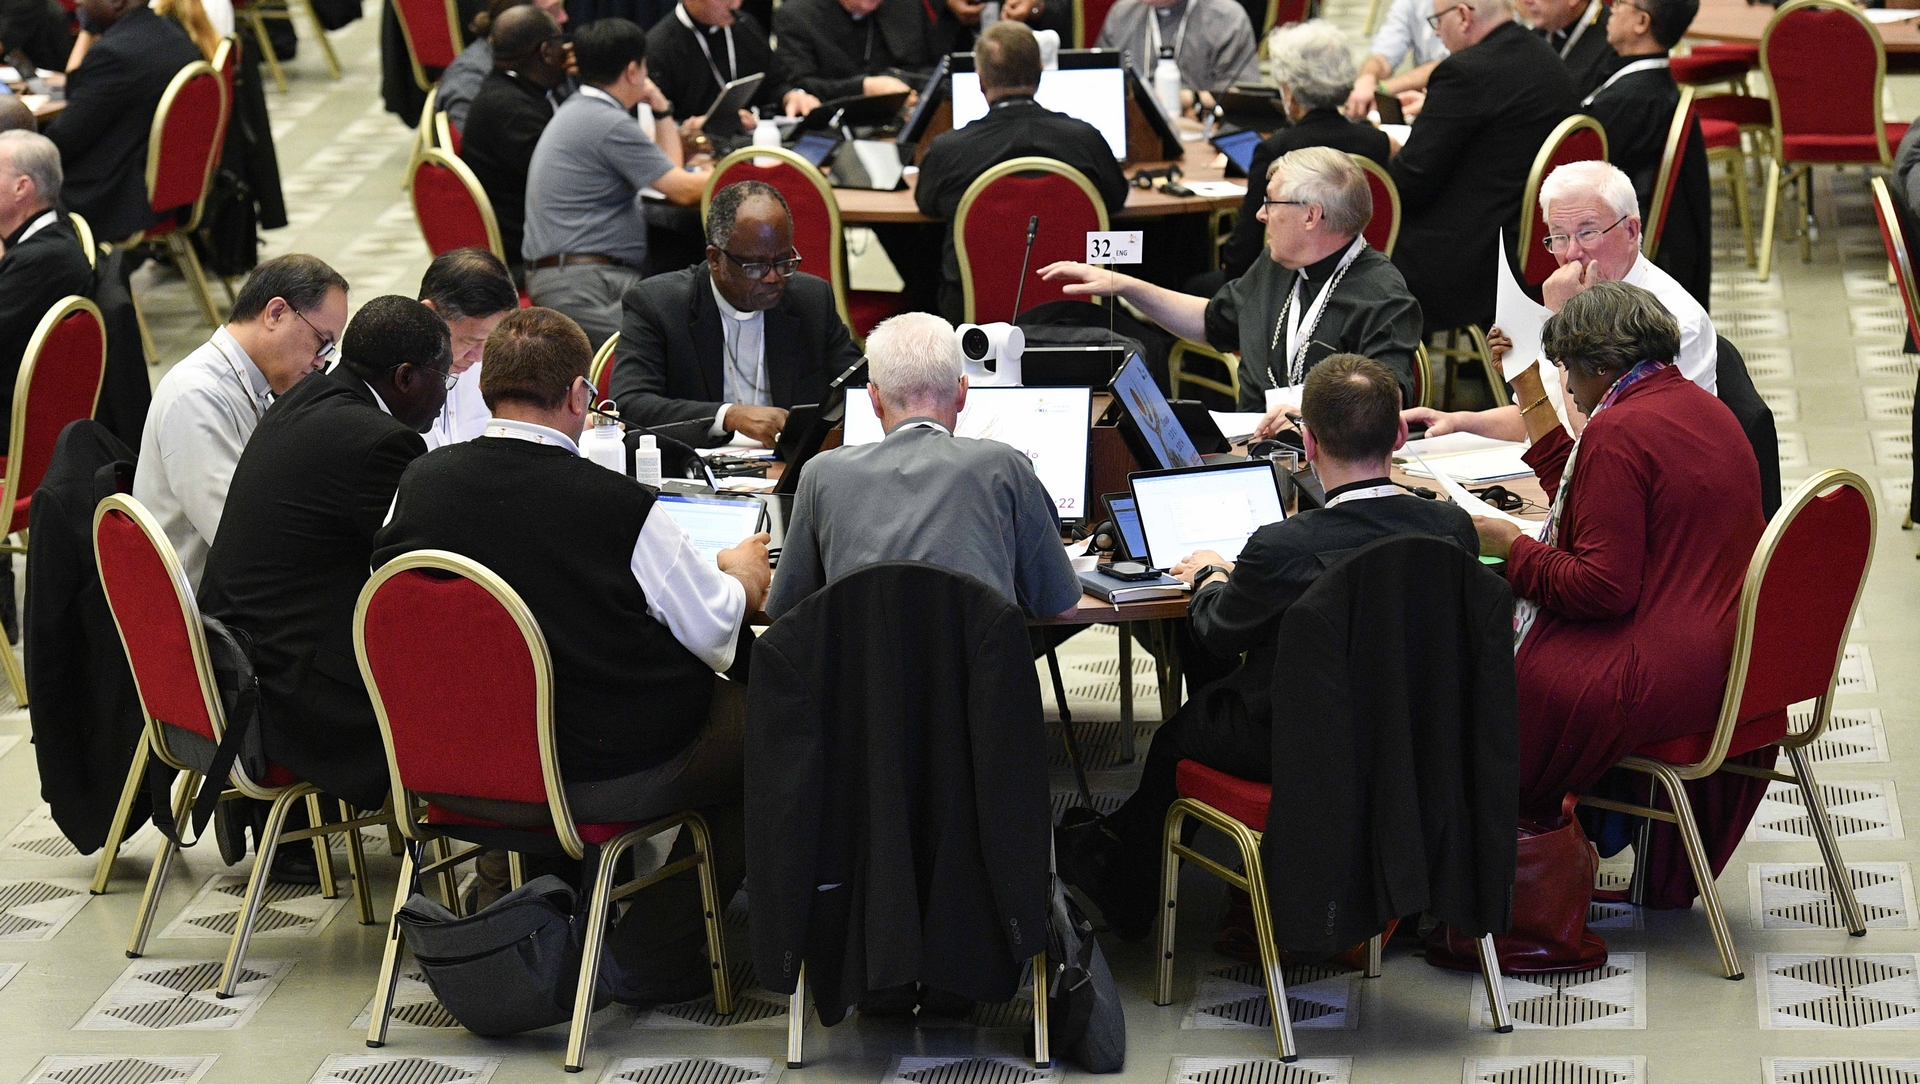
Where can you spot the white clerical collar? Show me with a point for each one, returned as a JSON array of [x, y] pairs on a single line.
[[530, 431], [729, 310], [377, 401], [240, 363], [45, 219]]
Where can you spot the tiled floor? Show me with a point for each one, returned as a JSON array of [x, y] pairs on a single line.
[[1823, 344]]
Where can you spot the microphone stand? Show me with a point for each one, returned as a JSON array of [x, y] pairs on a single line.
[[1033, 230]]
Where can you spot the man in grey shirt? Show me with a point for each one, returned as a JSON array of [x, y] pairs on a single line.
[[923, 494], [1212, 41], [586, 232]]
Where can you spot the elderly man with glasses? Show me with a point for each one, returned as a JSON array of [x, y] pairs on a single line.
[[727, 346], [285, 324], [1593, 229]]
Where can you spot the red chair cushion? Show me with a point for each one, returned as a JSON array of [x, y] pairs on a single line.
[[1701, 70], [1379, 228], [1839, 148], [429, 31], [62, 389], [1715, 134], [1728, 50], [1580, 145], [589, 833], [1823, 65], [1691, 748], [1241, 799], [1093, 20], [995, 229], [448, 210], [869, 307], [1737, 108], [147, 606], [190, 135], [278, 776]]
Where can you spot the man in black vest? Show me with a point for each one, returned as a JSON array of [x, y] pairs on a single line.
[[296, 538], [1577, 30], [734, 341], [111, 99], [512, 108], [1008, 60], [637, 622], [1488, 108], [1352, 409]]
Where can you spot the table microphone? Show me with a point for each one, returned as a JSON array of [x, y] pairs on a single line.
[[1033, 230]]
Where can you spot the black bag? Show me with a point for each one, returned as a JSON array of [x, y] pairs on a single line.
[[229, 235], [230, 654], [1084, 1016], [512, 967]]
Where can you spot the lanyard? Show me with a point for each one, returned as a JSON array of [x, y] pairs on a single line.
[[1363, 494], [1296, 343], [1586, 20], [1645, 65], [733, 63], [1179, 35], [246, 388]]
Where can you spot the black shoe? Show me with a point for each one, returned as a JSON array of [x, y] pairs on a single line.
[[295, 864], [230, 822], [1083, 853]]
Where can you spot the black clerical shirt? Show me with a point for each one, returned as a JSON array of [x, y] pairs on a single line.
[[503, 126], [1582, 44], [691, 77], [831, 53]]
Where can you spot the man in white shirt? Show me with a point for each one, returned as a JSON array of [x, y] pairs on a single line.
[[1405, 34], [1593, 229], [468, 288], [285, 324]]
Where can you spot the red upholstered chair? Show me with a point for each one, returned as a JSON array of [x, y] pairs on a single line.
[[160, 628], [1284, 12], [1383, 229], [1825, 64], [1729, 123], [1089, 18], [990, 233], [1715, 62], [601, 374], [1802, 588], [1679, 135], [480, 726], [432, 32], [817, 230], [1579, 138], [451, 207], [58, 382], [1895, 232], [445, 135], [183, 149]]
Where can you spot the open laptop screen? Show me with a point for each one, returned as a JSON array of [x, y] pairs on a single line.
[[1152, 417], [1205, 508]]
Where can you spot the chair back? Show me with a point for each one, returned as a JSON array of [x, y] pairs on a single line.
[[1383, 229], [183, 147], [58, 383], [601, 374], [451, 207], [1283, 13], [85, 233], [1825, 65], [226, 61], [445, 135], [432, 32], [1679, 134], [159, 623], [1089, 18], [990, 233], [1894, 222], [816, 214], [477, 723], [1579, 138], [426, 129]]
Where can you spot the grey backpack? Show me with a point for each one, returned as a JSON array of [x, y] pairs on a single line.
[[511, 967], [1084, 1015]]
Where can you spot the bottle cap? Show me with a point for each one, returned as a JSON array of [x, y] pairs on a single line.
[[647, 442]]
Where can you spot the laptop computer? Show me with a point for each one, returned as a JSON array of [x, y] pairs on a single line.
[[1214, 507], [1153, 428]]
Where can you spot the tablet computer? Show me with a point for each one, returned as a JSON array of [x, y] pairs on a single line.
[[1238, 146], [714, 521], [723, 118]]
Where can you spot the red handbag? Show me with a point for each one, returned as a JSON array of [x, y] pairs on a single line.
[[1552, 889]]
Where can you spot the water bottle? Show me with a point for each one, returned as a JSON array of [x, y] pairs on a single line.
[[646, 461], [765, 134], [1166, 82], [602, 442]]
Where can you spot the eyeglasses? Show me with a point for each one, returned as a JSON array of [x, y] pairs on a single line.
[[1434, 20], [757, 269], [1557, 242], [1266, 203], [328, 349], [447, 376]]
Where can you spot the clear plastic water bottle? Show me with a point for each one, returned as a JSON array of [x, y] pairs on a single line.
[[646, 461], [602, 442], [766, 134], [1166, 82], [989, 13]]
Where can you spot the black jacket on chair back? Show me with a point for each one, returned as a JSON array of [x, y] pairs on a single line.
[[897, 803], [1736, 390], [1396, 754]]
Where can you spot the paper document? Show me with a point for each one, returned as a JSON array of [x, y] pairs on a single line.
[[1449, 445], [1890, 15], [1474, 506], [1236, 427], [1477, 468], [1399, 133], [1224, 189], [1523, 318]]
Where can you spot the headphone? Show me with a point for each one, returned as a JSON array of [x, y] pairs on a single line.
[[1506, 500]]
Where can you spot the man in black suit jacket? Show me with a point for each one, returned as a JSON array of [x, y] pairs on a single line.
[[111, 99], [1016, 126], [510, 112], [737, 340], [296, 538], [1488, 108], [1352, 408], [42, 260], [843, 48], [1577, 31], [705, 44]]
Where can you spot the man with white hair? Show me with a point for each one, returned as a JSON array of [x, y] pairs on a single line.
[[924, 494], [1461, 175], [1320, 290], [43, 261], [1593, 229]]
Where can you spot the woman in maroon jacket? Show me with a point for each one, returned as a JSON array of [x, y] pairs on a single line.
[[1625, 608]]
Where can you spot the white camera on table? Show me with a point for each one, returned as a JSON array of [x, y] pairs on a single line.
[[992, 354]]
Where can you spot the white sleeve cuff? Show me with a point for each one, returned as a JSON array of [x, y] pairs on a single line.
[[719, 421], [702, 606]]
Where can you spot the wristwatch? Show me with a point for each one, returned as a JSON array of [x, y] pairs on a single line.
[[1200, 577]]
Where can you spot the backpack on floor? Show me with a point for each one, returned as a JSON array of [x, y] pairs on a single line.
[[1084, 1016]]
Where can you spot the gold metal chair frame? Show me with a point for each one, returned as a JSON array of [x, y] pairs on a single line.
[[1374, 169], [836, 237], [438, 157], [1659, 212], [16, 441], [602, 358], [1900, 262], [177, 241], [1451, 353], [84, 232], [1800, 174], [1537, 176], [413, 57], [425, 135], [155, 744], [414, 827], [1254, 883], [256, 14], [1028, 164], [1671, 777]]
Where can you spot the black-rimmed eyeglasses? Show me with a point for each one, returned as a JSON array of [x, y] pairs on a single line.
[[757, 269], [328, 349]]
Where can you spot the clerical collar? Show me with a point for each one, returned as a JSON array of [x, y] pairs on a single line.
[[1016, 99], [1177, 9], [1337, 492], [727, 309], [32, 226], [532, 432], [1322, 270], [919, 423]]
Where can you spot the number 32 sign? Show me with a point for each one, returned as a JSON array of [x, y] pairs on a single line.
[[1113, 246]]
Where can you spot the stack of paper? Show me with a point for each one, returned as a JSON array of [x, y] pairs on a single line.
[[1523, 319], [1476, 468], [1236, 427]]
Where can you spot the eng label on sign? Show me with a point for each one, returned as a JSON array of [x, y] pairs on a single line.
[[1113, 246]]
